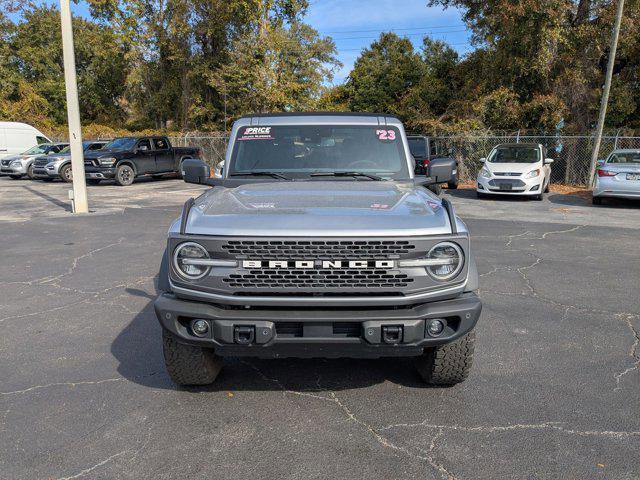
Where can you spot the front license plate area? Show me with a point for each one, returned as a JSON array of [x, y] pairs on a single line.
[[506, 186], [633, 176]]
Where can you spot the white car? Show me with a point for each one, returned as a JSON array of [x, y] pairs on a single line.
[[515, 169], [618, 176]]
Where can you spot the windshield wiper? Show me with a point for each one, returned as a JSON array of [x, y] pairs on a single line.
[[347, 174], [259, 174]]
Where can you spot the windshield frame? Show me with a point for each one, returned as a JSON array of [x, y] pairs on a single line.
[[403, 173], [128, 144]]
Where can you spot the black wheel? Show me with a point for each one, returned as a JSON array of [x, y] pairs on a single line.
[[189, 365], [66, 174], [448, 364], [437, 188], [93, 181], [15, 177], [480, 194], [30, 173], [124, 175], [452, 185], [596, 200]]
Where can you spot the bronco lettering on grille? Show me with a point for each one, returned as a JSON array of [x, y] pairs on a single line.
[[325, 264]]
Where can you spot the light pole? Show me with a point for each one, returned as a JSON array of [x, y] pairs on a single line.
[[80, 203], [605, 92]]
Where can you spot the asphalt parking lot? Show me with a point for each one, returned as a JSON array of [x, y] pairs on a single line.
[[554, 392]]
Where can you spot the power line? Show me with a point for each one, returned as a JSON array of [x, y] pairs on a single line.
[[405, 34], [367, 46], [396, 29]]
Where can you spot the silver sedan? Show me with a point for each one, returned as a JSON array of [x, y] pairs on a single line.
[[618, 176]]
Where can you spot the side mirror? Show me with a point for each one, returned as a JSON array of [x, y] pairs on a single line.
[[195, 171], [548, 161], [441, 169], [482, 160]]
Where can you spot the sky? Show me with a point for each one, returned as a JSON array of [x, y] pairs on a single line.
[[355, 24]]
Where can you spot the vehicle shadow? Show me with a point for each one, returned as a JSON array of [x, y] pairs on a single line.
[[138, 350], [470, 194]]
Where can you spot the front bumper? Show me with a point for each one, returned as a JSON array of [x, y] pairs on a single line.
[[14, 170], [326, 333], [519, 185], [99, 173], [42, 172]]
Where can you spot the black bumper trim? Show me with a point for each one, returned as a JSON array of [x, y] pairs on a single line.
[[174, 314]]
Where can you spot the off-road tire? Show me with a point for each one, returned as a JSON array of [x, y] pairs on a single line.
[[596, 200], [66, 174], [452, 185], [93, 181], [448, 364], [124, 175], [30, 173], [189, 365]]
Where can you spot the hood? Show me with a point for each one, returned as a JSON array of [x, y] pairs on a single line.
[[512, 167], [91, 154], [319, 209]]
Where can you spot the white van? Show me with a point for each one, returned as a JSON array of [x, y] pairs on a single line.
[[16, 138]]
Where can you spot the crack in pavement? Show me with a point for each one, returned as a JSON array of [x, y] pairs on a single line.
[[82, 473], [555, 426], [381, 439], [633, 353]]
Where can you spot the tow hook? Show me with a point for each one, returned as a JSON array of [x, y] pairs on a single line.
[[244, 335], [392, 334]]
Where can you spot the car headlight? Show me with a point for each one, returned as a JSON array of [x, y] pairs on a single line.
[[106, 162], [485, 172], [16, 163], [191, 260], [446, 260], [533, 173]]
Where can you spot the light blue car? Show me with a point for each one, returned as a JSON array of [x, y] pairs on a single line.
[[618, 176]]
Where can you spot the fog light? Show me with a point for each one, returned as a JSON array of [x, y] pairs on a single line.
[[435, 327], [199, 327]]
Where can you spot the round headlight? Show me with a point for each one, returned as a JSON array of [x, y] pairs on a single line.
[[448, 261], [186, 258]]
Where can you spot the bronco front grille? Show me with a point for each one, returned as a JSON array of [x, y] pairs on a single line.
[[318, 249], [325, 279]]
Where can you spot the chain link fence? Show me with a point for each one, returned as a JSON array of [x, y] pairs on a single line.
[[571, 154]]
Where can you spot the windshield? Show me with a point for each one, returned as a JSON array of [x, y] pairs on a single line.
[[66, 149], [44, 148], [418, 147], [625, 157], [299, 151], [515, 154], [125, 143]]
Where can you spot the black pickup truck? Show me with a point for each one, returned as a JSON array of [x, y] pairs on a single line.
[[423, 151], [125, 158]]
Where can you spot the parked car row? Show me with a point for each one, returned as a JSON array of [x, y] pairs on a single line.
[[122, 159]]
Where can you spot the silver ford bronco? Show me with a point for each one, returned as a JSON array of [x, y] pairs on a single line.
[[318, 242]]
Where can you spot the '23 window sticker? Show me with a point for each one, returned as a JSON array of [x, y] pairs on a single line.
[[386, 135]]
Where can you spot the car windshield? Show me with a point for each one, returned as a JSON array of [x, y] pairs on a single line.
[[124, 143], [418, 147], [301, 150], [625, 157], [38, 149], [515, 154]]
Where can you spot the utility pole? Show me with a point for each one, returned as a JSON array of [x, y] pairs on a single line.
[[605, 92], [80, 203]]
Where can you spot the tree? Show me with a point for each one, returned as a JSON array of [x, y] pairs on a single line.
[[383, 73]]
